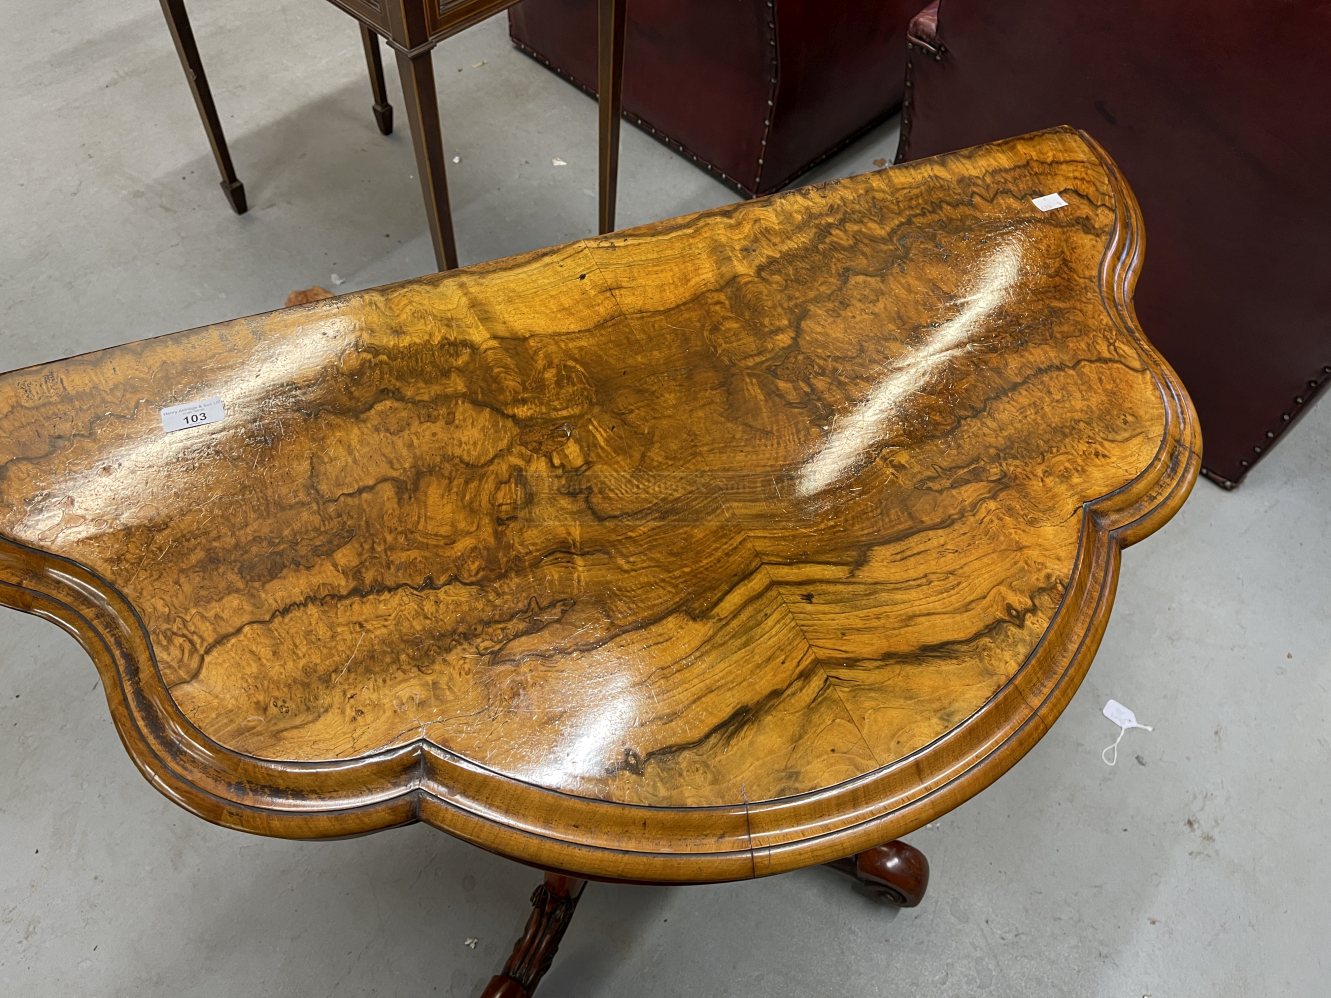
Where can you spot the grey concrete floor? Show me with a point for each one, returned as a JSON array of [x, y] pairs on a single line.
[[1196, 866]]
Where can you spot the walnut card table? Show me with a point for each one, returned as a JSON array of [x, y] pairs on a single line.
[[726, 546]]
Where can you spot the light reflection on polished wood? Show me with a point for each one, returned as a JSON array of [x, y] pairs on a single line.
[[736, 543]]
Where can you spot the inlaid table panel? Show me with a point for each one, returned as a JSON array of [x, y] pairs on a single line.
[[370, 11], [712, 549], [446, 17]]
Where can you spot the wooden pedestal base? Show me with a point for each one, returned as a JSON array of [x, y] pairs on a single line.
[[895, 873], [552, 904]]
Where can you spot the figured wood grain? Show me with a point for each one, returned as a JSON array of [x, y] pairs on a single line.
[[732, 544]]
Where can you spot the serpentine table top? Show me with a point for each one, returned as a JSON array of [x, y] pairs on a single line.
[[723, 546]]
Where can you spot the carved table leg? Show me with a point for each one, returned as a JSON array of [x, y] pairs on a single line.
[[610, 103], [422, 107], [895, 873], [183, 36], [383, 111], [552, 909]]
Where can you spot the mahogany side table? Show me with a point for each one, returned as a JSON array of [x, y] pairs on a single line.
[[412, 28], [722, 547]]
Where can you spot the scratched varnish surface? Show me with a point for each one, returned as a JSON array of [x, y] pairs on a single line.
[[735, 508]]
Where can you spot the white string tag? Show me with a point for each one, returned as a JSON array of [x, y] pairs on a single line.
[[1125, 719]]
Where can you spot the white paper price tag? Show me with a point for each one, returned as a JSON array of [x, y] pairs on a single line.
[[1049, 202], [1125, 719], [187, 414], [1122, 716]]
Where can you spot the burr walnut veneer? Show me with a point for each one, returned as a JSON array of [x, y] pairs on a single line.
[[733, 544]]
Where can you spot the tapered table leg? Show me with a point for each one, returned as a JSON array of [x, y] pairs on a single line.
[[610, 103], [383, 111], [183, 35], [553, 904], [895, 873], [422, 105]]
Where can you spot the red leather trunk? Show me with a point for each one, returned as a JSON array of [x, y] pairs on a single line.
[[756, 91], [1220, 117]]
